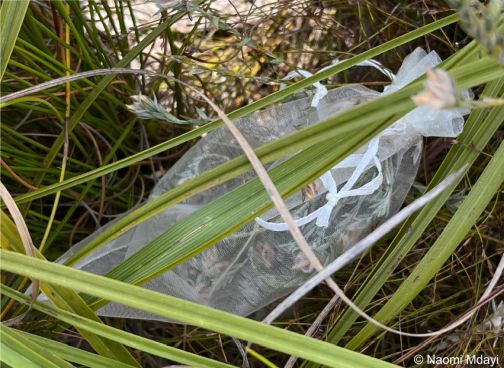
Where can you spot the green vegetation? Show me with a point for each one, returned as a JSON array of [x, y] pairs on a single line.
[[74, 157]]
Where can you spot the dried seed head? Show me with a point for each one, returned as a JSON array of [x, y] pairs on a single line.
[[481, 22], [439, 91], [146, 108]]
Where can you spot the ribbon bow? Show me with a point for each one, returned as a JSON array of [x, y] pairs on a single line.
[[323, 214]]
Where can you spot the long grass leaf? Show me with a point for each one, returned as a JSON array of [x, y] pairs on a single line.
[[111, 333], [187, 312], [12, 14], [67, 299], [31, 354], [72, 354]]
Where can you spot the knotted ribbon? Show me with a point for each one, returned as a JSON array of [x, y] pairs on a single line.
[[323, 214]]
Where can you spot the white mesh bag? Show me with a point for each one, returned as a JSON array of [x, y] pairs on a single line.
[[260, 262]]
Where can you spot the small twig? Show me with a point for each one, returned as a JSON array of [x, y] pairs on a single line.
[[66, 130], [74, 77], [16, 176], [318, 321], [242, 351]]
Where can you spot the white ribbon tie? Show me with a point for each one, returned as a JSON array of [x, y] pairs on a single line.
[[323, 214]]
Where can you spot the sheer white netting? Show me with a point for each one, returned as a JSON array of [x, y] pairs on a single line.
[[260, 262]]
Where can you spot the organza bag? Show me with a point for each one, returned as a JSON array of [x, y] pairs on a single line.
[[260, 262]]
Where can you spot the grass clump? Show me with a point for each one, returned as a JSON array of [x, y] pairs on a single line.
[[75, 157]]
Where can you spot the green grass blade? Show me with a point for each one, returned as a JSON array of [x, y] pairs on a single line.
[[108, 332], [72, 354], [12, 14], [99, 88], [180, 310], [18, 351], [35, 100], [12, 358], [67, 299]]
